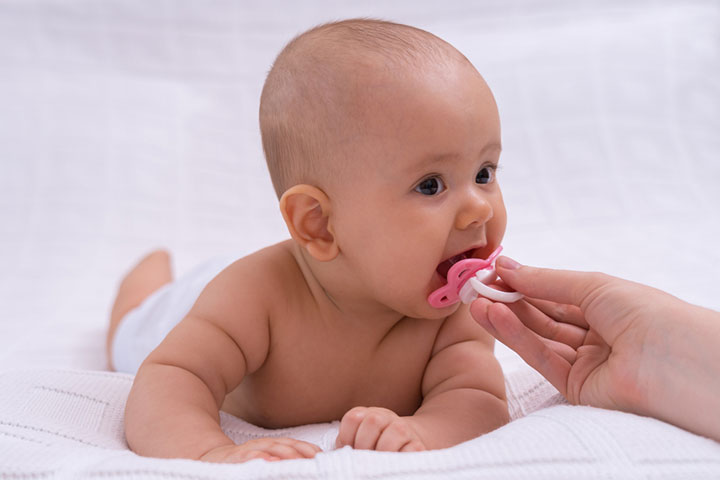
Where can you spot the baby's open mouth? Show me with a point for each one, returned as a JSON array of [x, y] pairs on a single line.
[[445, 265]]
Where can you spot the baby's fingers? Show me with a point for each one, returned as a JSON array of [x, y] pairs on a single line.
[[361, 427], [399, 437], [504, 325], [254, 455], [349, 426], [237, 454], [307, 450], [371, 428], [287, 449], [413, 446]]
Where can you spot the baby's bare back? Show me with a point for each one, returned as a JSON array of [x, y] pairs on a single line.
[[318, 368]]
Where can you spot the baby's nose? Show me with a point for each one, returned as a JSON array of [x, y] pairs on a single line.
[[474, 211]]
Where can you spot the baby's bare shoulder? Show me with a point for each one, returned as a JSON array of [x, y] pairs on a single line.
[[239, 300], [251, 283], [226, 336], [460, 327], [463, 357]]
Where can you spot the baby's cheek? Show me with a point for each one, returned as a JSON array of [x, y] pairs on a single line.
[[498, 222]]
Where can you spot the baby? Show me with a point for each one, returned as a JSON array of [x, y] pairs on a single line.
[[382, 142]]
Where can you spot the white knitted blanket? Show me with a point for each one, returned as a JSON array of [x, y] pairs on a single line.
[[128, 124], [69, 424]]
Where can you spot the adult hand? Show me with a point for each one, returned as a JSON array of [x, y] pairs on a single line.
[[611, 343]]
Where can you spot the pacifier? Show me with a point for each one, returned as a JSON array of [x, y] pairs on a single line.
[[469, 278]]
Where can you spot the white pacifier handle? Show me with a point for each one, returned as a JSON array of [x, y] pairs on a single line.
[[477, 285]]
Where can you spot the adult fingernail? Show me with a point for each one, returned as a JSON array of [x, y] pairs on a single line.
[[508, 263]]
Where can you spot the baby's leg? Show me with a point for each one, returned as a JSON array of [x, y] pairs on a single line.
[[151, 273]]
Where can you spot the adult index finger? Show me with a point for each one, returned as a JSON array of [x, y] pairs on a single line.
[[560, 286]]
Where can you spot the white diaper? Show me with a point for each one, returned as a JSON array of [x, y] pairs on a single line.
[[144, 327]]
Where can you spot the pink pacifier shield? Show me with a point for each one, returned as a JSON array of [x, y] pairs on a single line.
[[458, 274]]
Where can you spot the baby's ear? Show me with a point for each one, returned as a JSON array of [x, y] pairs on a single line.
[[306, 210]]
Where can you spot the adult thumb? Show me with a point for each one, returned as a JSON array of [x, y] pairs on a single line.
[[560, 286]]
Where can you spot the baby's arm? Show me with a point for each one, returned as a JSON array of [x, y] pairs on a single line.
[[463, 386], [173, 407], [463, 397]]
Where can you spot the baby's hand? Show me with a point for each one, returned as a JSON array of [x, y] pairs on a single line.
[[270, 449], [374, 428]]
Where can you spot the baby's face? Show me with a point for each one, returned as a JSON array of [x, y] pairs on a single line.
[[423, 190]]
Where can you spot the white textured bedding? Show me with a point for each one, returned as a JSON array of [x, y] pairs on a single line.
[[68, 423], [126, 125]]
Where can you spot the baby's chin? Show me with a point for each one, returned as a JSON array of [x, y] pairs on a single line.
[[425, 310], [432, 313], [421, 307]]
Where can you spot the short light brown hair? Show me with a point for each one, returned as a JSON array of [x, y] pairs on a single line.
[[305, 107]]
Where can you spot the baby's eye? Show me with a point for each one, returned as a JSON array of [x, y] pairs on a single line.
[[485, 175], [430, 186]]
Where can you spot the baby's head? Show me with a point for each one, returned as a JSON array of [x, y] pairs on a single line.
[[382, 142]]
